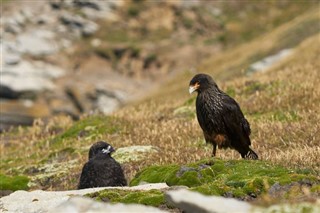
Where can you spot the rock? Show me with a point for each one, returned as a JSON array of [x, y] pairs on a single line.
[[268, 61], [195, 202], [28, 77], [11, 59], [45, 201], [20, 85], [108, 101], [94, 9], [37, 43], [81, 204], [89, 28], [107, 104], [133, 153], [292, 207], [79, 24], [88, 3], [11, 26]]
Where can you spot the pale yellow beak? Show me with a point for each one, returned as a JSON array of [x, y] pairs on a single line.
[[193, 88]]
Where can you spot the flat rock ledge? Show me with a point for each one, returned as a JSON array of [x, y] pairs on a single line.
[[191, 202], [70, 201]]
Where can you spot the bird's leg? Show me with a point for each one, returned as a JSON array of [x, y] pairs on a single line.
[[214, 146]]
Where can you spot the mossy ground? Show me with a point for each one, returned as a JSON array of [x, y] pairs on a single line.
[[236, 178], [150, 198], [242, 179], [13, 183]]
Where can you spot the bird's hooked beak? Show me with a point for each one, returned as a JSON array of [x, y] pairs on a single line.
[[194, 87], [108, 150]]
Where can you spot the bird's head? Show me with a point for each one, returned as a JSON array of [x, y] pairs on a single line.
[[100, 147], [201, 82]]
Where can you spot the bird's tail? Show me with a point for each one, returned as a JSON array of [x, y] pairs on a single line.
[[251, 155]]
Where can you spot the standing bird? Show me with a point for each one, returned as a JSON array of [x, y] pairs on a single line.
[[101, 169], [220, 117]]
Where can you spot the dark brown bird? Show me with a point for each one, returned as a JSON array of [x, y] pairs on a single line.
[[221, 118], [101, 169]]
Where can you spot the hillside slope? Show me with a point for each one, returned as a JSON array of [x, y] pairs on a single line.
[[280, 104]]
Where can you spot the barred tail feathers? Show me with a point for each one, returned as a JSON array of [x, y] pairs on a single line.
[[251, 155]]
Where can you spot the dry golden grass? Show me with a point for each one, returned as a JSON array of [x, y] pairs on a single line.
[[282, 106], [283, 109]]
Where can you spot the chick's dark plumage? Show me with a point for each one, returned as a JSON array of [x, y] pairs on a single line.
[[101, 169], [221, 118]]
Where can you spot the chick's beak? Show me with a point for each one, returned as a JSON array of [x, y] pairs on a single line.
[[193, 88]]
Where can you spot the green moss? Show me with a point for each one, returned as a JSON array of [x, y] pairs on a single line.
[[218, 177], [157, 174], [13, 183], [151, 197], [189, 179]]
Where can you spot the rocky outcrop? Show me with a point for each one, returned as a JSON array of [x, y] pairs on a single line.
[[46, 201], [190, 202], [178, 199], [134, 153], [81, 204], [268, 61], [30, 72]]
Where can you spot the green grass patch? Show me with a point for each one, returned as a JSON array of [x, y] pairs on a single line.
[[13, 183]]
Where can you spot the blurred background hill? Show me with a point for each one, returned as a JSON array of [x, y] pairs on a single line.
[[74, 57]]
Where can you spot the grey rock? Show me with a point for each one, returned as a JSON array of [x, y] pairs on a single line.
[[45, 201], [12, 27], [290, 207], [133, 153], [190, 201], [25, 84], [77, 23], [11, 59], [89, 28], [37, 43], [29, 77], [269, 61], [81, 204], [88, 3], [107, 104]]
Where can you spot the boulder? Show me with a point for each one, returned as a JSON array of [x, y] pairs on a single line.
[[269, 61], [79, 24], [28, 77], [81, 204], [190, 201], [37, 43], [133, 153], [52, 201], [11, 58]]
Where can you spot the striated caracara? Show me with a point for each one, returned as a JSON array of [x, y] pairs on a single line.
[[220, 117], [101, 169]]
